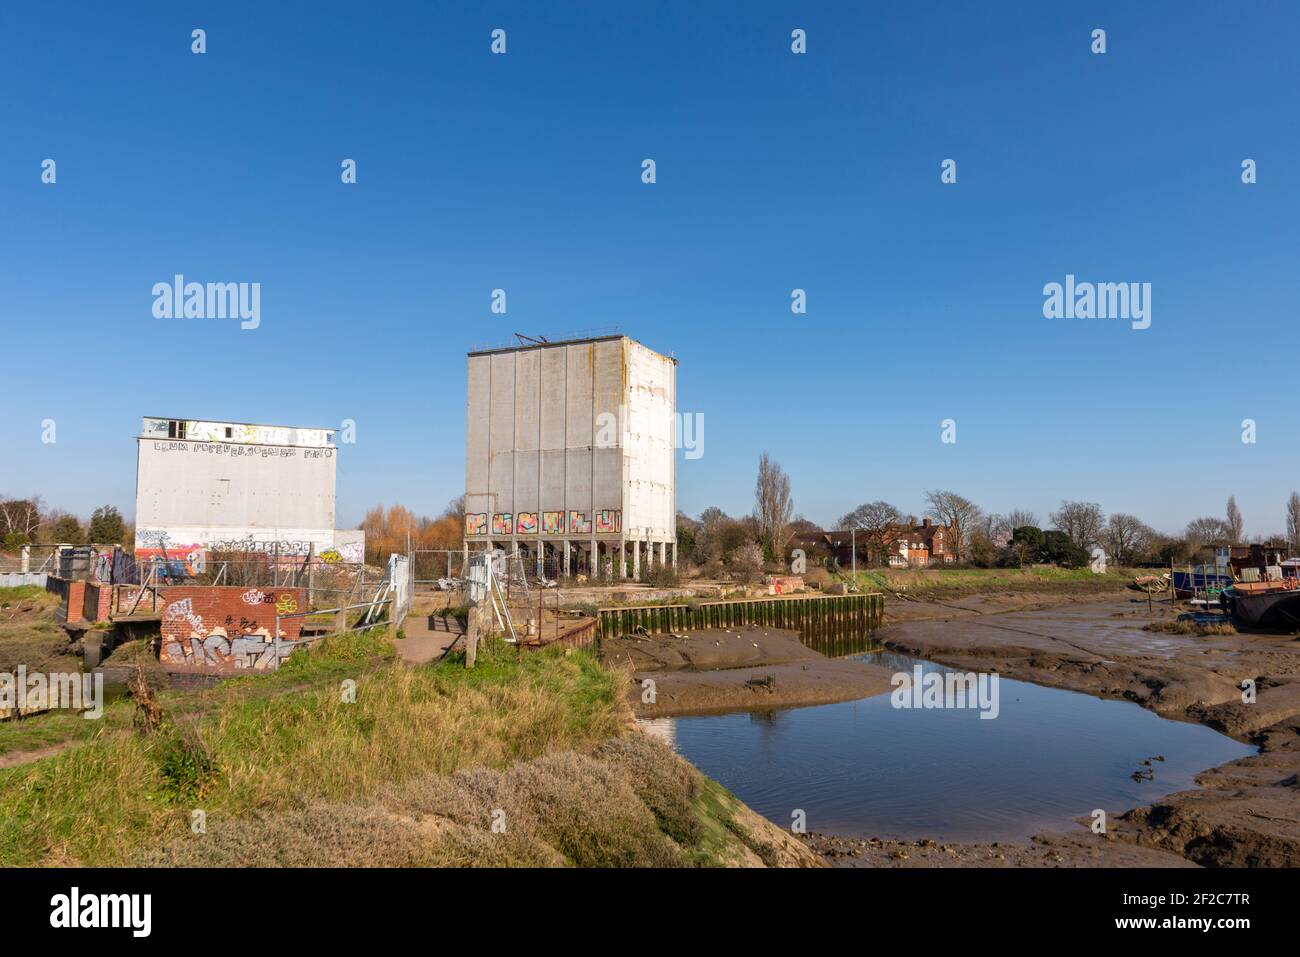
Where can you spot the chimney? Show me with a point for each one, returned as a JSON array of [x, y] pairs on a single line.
[[926, 521], [911, 520]]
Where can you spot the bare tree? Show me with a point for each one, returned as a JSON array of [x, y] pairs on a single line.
[[873, 521], [20, 517], [1234, 522], [1206, 531], [959, 513], [1293, 520], [1081, 521], [773, 507], [1019, 518], [1124, 536]]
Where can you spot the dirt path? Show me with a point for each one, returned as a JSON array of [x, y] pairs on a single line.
[[11, 759], [423, 643]]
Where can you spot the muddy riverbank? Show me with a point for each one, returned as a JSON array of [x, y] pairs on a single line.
[[743, 669], [1244, 813]]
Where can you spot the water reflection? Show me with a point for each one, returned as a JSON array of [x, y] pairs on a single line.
[[866, 769]]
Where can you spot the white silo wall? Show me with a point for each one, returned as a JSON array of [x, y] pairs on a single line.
[[649, 505], [565, 441]]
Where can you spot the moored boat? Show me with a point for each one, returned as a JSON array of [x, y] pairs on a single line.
[[1265, 603], [1198, 579]]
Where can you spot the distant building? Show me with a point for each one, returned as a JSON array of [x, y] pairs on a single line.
[[204, 486], [569, 455], [911, 545]]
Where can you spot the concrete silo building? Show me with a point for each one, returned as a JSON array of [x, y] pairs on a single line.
[[569, 455]]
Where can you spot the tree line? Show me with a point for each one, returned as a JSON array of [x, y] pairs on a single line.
[[27, 521]]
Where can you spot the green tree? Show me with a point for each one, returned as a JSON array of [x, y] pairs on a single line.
[[106, 526], [66, 529], [1027, 544]]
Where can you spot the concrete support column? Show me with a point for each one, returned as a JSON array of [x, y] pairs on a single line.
[[674, 556], [568, 571], [594, 561], [622, 559], [649, 557], [663, 555], [636, 561]]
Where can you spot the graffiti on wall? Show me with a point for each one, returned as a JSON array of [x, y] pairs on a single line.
[[503, 523], [552, 523], [527, 524], [222, 630], [351, 552], [579, 523], [476, 523], [609, 520], [182, 561]]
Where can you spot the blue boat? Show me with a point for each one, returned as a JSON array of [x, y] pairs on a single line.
[[1200, 578]]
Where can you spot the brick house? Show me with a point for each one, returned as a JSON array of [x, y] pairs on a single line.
[[910, 545], [914, 545]]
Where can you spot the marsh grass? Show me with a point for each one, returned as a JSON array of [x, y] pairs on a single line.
[[288, 740], [1188, 626], [940, 583]]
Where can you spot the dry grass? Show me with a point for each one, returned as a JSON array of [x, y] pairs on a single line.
[[606, 809]]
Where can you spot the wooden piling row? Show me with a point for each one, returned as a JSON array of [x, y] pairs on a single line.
[[815, 617]]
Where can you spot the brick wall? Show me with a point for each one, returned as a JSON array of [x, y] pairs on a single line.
[[223, 630], [74, 603], [97, 602]]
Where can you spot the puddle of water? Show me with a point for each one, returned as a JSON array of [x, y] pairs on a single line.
[[867, 769]]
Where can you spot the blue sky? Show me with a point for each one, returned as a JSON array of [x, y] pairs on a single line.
[[775, 171]]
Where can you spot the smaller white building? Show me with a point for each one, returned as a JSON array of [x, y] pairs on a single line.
[[206, 486]]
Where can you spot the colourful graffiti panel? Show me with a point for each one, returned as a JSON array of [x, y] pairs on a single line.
[[476, 523], [579, 523], [223, 629], [527, 524], [609, 520], [552, 523], [503, 523], [181, 560]]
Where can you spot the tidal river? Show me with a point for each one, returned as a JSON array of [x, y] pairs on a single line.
[[867, 769]]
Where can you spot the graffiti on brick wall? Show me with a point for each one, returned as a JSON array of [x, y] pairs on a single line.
[[552, 523], [527, 524], [579, 523], [609, 520], [503, 523], [222, 630], [476, 523]]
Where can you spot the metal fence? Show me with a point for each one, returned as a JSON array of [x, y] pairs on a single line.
[[437, 569], [86, 562]]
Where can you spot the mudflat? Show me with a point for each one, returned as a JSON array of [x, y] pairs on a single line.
[[1244, 813], [709, 671]]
